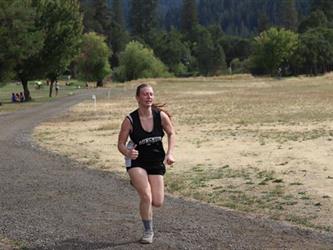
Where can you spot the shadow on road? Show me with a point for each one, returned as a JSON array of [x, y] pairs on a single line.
[[75, 244]]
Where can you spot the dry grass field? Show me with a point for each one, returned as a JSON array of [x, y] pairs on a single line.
[[257, 145]]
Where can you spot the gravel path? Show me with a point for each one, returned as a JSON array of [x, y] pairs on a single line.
[[50, 202]]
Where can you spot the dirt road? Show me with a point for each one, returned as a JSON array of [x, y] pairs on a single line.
[[50, 202]]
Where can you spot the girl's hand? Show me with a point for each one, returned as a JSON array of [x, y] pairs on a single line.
[[169, 159], [133, 153]]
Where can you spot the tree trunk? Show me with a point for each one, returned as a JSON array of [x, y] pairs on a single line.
[[27, 95], [51, 88], [99, 83]]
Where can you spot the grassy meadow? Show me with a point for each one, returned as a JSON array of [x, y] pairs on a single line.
[[39, 95], [257, 145]]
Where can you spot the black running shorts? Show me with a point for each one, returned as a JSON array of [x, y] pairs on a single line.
[[151, 168]]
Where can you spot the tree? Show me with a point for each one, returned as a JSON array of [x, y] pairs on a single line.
[[273, 49], [117, 12], [324, 5], [61, 25], [136, 62], [263, 23], [236, 47], [316, 19], [93, 63], [120, 36], [288, 14], [97, 18], [188, 16], [88, 13], [102, 16], [316, 51], [170, 48], [143, 18], [207, 50], [20, 39], [62, 22]]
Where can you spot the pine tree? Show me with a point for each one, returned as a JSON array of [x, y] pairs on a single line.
[[119, 36], [143, 18], [288, 14], [324, 5], [263, 23], [189, 15], [316, 19], [102, 17], [117, 12]]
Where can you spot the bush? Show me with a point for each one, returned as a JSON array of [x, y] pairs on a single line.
[[136, 62], [274, 48], [239, 67]]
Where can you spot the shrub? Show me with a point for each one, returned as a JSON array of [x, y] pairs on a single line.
[[136, 61]]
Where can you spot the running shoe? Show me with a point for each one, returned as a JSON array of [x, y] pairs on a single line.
[[147, 237]]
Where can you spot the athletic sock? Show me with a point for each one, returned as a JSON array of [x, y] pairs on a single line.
[[148, 225]]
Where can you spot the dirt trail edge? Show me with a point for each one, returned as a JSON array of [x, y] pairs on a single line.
[[50, 202]]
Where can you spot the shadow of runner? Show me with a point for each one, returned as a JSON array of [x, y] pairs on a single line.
[[75, 244]]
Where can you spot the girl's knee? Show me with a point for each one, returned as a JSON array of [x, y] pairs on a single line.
[[158, 203], [146, 197]]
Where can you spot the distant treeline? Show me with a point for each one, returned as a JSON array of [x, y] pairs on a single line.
[[93, 40], [210, 37], [234, 17]]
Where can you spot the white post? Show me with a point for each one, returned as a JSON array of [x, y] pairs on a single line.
[[93, 97], [109, 94]]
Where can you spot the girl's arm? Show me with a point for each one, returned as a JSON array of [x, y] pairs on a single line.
[[169, 129], [122, 139]]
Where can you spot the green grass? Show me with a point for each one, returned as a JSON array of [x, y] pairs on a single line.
[[233, 188], [38, 95], [12, 244]]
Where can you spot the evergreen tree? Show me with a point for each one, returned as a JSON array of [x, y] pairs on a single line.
[[263, 23], [119, 36], [172, 19], [316, 19], [189, 15], [316, 50], [170, 48], [143, 18], [208, 52], [236, 47], [324, 5], [102, 19], [117, 12], [88, 12], [288, 14], [210, 12]]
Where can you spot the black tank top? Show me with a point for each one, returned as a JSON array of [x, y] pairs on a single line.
[[149, 144]]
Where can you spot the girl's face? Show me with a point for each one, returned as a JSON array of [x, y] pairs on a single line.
[[146, 97]]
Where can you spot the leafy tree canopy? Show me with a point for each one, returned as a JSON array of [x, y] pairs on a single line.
[[93, 63], [20, 39], [273, 49], [136, 62]]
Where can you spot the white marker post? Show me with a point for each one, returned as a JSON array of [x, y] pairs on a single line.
[[109, 94], [93, 97]]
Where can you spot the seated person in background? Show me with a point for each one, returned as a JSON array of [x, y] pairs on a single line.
[[13, 97], [22, 98], [17, 97]]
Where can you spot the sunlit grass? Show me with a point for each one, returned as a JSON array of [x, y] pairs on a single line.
[[39, 95], [240, 141]]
